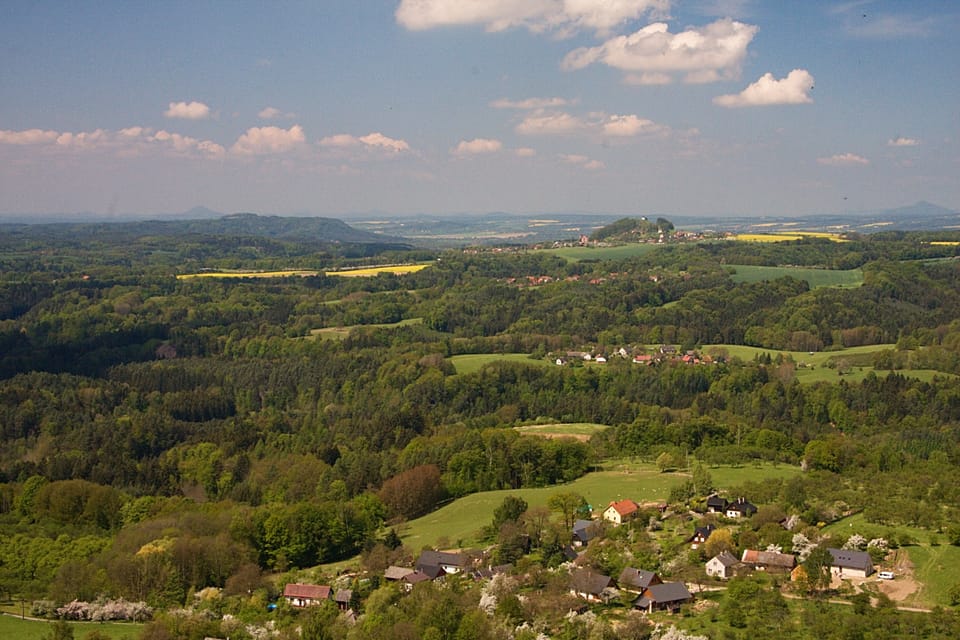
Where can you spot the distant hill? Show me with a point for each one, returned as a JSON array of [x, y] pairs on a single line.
[[330, 230]]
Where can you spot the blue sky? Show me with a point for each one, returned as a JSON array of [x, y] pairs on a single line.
[[337, 107]]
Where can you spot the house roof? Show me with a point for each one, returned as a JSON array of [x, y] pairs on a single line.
[[584, 530], [428, 557], [741, 505], [726, 558], [716, 501], [624, 507], [703, 532], [397, 573], [769, 558], [311, 591], [587, 581], [637, 578], [343, 595], [848, 559], [668, 592], [416, 577]]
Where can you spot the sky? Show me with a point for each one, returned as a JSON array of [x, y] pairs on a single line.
[[349, 107]]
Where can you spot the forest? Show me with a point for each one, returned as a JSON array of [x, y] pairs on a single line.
[[162, 436]]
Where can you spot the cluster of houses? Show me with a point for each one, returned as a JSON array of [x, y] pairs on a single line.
[[664, 353], [650, 593]]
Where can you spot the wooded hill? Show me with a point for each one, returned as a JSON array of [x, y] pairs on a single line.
[[162, 435]]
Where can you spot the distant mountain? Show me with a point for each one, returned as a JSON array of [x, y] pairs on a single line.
[[239, 224]]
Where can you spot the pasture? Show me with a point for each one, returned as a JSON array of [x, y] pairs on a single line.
[[576, 430], [339, 333], [473, 362], [459, 523], [13, 628], [814, 277]]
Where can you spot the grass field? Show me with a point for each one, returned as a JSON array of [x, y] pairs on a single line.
[[578, 430], [459, 522], [12, 628], [936, 570], [815, 366], [473, 362], [339, 333], [576, 254], [247, 274], [814, 277]]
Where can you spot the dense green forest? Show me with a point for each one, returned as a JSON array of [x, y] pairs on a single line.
[[162, 435]]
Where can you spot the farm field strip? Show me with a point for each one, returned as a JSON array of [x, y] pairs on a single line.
[[342, 332], [814, 277], [398, 269], [473, 362]]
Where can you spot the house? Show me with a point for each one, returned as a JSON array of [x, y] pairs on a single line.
[[343, 597], [850, 564], [769, 560], [723, 565], [583, 532], [621, 511], [592, 586], [740, 508], [437, 563], [569, 553], [412, 579], [637, 579], [716, 504], [668, 596], [487, 573], [395, 574], [700, 535], [304, 595]]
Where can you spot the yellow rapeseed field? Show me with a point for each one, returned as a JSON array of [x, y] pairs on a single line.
[[398, 269], [785, 237]]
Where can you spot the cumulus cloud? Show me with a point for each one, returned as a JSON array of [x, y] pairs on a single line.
[[374, 140], [598, 123], [766, 91], [525, 152], [266, 140], [530, 103], [477, 146], [901, 141], [844, 160], [705, 54], [648, 78], [581, 161], [124, 142], [272, 113], [29, 136], [188, 110], [562, 17]]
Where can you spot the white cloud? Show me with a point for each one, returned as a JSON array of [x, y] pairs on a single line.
[[713, 52], [597, 123], [530, 103], [371, 140], [559, 16], [126, 142], [272, 113], [525, 152], [29, 136], [264, 140], [188, 110], [901, 141], [477, 146], [581, 161], [844, 160], [766, 91], [648, 78]]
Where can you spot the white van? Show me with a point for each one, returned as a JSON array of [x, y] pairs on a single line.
[[885, 575]]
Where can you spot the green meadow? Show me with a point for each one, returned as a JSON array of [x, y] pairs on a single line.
[[473, 362], [459, 523], [814, 277], [580, 430], [13, 628], [339, 333]]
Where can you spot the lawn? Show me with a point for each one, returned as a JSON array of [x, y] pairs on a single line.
[[935, 569], [12, 628], [814, 277], [578, 430], [458, 522], [339, 333], [473, 362], [576, 254], [813, 367]]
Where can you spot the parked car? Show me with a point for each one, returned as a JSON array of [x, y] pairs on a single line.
[[885, 575]]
